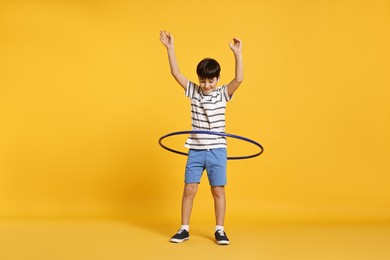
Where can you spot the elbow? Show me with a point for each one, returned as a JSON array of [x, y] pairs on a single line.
[[175, 76], [175, 73], [239, 80]]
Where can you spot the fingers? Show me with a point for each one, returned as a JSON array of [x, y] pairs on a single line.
[[236, 45], [236, 41], [166, 38], [164, 34]]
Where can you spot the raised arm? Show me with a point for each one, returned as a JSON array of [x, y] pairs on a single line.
[[167, 39], [236, 47]]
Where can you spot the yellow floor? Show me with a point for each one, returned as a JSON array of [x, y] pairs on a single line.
[[109, 239]]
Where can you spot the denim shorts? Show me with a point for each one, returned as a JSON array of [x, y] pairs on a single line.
[[212, 160]]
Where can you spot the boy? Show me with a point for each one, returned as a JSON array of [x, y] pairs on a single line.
[[208, 105]]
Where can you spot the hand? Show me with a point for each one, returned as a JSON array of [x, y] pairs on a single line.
[[236, 46], [166, 38]]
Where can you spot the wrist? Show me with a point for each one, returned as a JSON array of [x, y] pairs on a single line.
[[238, 56]]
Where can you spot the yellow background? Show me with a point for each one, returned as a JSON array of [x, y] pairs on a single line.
[[85, 93]]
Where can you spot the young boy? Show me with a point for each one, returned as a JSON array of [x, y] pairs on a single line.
[[208, 105]]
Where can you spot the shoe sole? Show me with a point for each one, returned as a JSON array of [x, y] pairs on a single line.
[[176, 240], [223, 242]]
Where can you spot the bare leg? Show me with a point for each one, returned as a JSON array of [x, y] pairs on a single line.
[[219, 204], [189, 193]]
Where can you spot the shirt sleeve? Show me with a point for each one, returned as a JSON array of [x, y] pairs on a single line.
[[191, 89], [226, 93]]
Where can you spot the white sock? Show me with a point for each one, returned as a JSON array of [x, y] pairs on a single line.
[[186, 227], [219, 228]]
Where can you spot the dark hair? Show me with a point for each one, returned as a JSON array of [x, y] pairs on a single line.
[[208, 68]]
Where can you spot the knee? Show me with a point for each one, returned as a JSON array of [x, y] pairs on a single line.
[[218, 191], [190, 189]]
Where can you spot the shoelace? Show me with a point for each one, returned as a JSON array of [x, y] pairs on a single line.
[[180, 231], [221, 232]]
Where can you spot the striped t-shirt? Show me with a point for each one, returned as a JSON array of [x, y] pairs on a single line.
[[207, 114]]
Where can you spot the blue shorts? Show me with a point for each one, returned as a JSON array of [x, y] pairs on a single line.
[[212, 160]]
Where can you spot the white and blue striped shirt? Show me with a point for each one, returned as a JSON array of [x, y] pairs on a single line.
[[207, 114]]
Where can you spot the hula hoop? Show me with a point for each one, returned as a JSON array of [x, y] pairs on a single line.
[[213, 133]]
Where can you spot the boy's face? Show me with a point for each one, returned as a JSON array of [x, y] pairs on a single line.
[[208, 85]]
